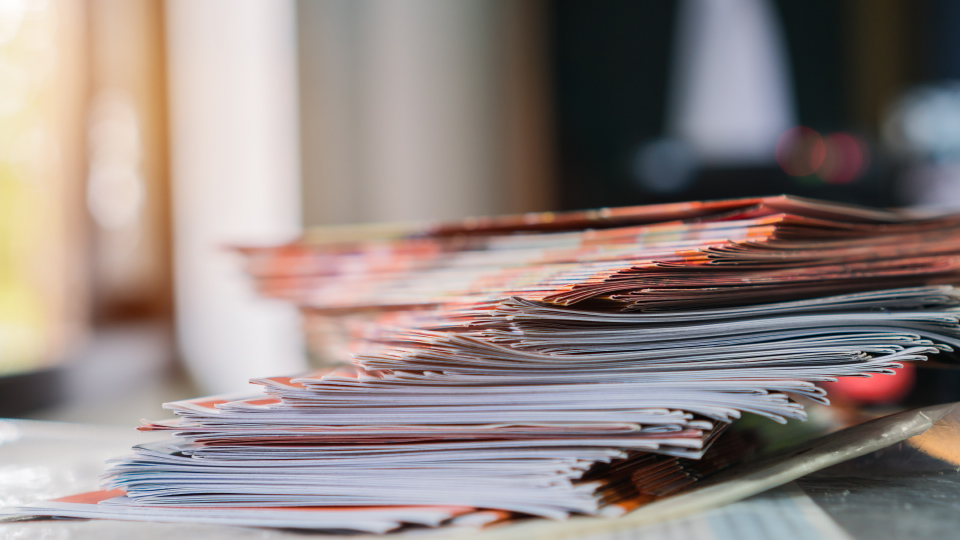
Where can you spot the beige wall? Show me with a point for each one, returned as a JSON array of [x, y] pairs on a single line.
[[416, 109]]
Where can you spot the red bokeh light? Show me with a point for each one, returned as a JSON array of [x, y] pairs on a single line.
[[879, 389], [800, 151], [845, 161]]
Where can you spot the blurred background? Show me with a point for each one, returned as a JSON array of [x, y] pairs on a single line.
[[139, 139]]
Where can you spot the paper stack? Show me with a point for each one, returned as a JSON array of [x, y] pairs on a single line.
[[548, 364]]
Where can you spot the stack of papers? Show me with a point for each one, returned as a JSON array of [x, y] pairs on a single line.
[[678, 256], [545, 365]]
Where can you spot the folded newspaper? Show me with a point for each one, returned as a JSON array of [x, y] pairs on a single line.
[[543, 365]]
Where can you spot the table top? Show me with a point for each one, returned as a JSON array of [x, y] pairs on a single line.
[[909, 489]]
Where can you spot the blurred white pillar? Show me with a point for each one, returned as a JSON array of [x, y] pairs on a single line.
[[235, 169], [731, 94]]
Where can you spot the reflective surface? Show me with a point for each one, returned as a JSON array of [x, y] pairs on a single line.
[[908, 490], [43, 460]]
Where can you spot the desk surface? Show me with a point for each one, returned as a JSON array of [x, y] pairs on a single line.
[[899, 492]]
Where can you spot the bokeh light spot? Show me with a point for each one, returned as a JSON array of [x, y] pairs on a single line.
[[800, 151], [846, 159]]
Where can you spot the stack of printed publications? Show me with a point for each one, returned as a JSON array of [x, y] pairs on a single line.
[[554, 364]]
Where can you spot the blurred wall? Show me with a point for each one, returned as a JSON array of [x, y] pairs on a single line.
[[415, 109], [44, 300]]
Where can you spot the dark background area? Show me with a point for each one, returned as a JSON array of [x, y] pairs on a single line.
[[849, 60]]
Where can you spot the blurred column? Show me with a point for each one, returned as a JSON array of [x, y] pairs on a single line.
[[235, 168]]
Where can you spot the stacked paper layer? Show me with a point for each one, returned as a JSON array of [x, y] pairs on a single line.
[[689, 256], [551, 364]]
